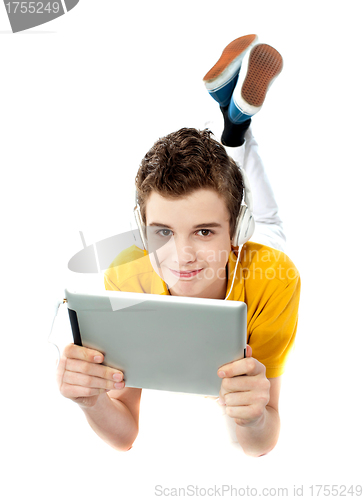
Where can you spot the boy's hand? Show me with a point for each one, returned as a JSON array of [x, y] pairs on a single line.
[[82, 378], [244, 390]]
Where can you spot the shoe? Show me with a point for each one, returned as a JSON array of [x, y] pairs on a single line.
[[264, 65], [221, 79]]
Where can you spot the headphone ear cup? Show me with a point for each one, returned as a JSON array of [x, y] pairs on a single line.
[[141, 227], [245, 226]]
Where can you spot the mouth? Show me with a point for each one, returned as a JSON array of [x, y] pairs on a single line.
[[186, 274]]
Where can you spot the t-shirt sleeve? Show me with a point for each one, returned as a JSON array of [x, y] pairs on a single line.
[[121, 270], [273, 326], [109, 284]]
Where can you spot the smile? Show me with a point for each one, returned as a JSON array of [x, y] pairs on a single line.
[[186, 274]]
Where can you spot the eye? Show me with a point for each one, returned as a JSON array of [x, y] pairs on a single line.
[[205, 232], [164, 232]]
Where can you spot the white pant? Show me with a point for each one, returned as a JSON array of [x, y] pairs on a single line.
[[268, 224]]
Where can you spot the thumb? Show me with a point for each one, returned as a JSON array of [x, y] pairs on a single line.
[[249, 351]]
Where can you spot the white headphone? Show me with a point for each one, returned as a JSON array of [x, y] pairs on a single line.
[[139, 221], [245, 224]]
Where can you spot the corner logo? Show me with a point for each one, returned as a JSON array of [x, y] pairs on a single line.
[[24, 15]]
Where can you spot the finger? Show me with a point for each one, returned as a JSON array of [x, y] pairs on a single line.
[[82, 380], [235, 384], [76, 391], [83, 353], [247, 413], [221, 399], [239, 398], [93, 369], [257, 384], [248, 354], [245, 366]]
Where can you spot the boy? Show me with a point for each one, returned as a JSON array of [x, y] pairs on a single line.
[[190, 194]]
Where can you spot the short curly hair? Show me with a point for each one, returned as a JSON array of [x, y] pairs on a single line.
[[184, 161]]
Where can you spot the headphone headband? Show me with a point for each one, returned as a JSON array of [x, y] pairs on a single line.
[[247, 192], [245, 225]]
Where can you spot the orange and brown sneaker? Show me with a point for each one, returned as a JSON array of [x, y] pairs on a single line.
[[222, 77], [264, 65]]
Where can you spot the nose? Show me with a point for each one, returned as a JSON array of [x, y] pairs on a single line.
[[185, 253]]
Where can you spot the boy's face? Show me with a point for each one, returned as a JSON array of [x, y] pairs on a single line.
[[191, 238]]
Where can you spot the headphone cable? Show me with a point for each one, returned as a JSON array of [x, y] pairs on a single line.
[[236, 267]]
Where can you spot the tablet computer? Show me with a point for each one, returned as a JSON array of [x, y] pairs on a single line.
[[160, 341]]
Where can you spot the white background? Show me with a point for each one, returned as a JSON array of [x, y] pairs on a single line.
[[82, 99]]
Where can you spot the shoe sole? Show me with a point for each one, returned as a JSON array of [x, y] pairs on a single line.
[[265, 64], [232, 52]]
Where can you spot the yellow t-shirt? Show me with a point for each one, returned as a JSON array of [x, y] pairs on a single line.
[[266, 280]]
